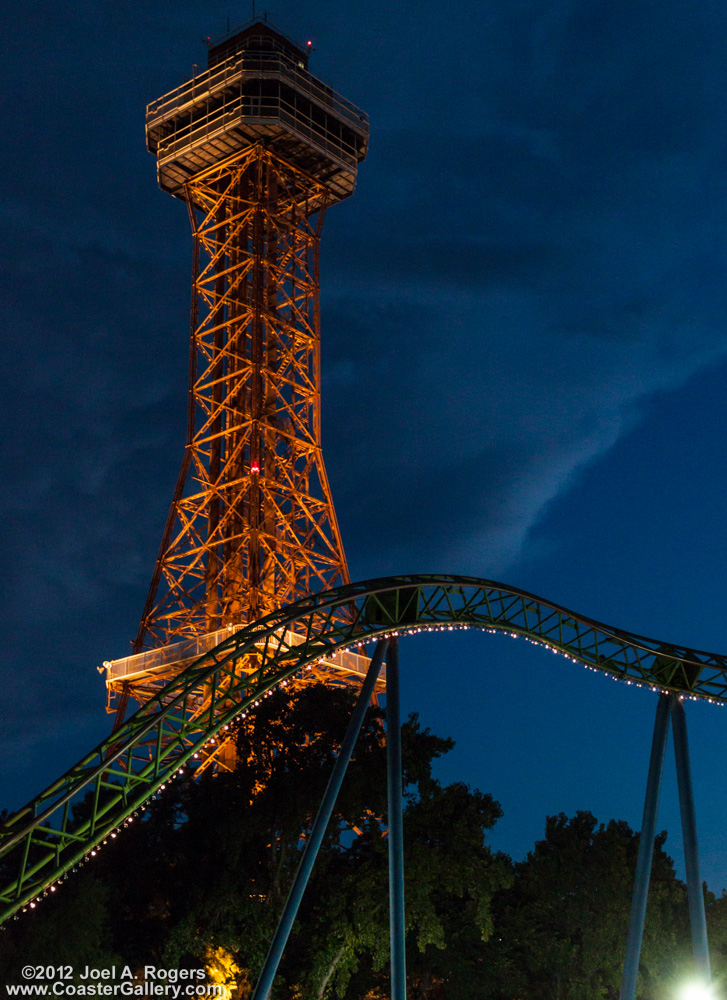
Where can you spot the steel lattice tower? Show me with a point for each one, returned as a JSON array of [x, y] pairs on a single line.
[[258, 149]]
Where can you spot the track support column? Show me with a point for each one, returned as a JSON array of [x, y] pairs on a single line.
[[397, 927], [697, 918], [646, 849], [310, 852]]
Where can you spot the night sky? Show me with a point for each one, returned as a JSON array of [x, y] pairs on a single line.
[[524, 326]]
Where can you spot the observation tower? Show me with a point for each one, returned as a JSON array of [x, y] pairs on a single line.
[[258, 149]]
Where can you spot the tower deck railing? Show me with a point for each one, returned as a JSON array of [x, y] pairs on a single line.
[[257, 109], [179, 653], [252, 66]]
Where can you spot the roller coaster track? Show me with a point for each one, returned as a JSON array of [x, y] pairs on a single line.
[[168, 736]]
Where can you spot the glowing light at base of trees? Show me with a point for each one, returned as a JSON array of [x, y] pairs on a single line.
[[696, 991]]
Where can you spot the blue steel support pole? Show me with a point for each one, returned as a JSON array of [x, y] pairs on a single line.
[[315, 839], [646, 849], [697, 918], [397, 930]]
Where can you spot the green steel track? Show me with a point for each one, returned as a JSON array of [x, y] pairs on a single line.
[[42, 842]]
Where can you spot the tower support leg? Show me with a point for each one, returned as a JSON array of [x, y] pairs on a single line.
[[397, 929], [646, 849], [697, 918], [313, 844]]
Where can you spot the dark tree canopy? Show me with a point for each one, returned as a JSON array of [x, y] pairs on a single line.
[[202, 880], [561, 927]]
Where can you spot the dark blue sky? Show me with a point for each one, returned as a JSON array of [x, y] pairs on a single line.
[[524, 362]]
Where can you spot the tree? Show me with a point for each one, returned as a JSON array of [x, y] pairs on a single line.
[[72, 928], [203, 878], [241, 865], [561, 929]]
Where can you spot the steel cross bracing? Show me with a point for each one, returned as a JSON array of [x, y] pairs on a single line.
[[252, 526], [168, 735]]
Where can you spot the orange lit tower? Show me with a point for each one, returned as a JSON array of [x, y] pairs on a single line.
[[258, 149]]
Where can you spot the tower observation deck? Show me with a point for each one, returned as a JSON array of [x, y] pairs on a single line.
[[258, 148]]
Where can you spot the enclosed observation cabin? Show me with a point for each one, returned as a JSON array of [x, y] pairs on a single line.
[[257, 90]]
